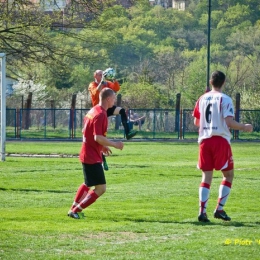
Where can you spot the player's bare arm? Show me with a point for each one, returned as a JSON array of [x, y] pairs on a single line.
[[196, 122], [233, 124], [101, 83], [106, 142]]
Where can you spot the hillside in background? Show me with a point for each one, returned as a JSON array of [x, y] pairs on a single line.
[[156, 51]]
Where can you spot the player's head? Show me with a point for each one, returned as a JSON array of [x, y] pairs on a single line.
[[107, 96], [217, 79], [98, 75]]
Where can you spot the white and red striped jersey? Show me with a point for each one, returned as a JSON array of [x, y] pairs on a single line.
[[211, 109]]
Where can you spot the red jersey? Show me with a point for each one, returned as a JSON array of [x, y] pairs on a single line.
[[95, 93], [95, 123]]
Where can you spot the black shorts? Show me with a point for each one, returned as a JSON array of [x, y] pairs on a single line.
[[93, 174], [110, 111]]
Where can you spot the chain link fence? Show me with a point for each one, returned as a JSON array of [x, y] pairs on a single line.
[[66, 124]]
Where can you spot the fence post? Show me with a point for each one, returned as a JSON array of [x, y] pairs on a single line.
[[26, 119], [45, 123], [53, 114], [166, 114], [177, 112], [181, 125], [118, 117], [18, 123], [154, 122], [72, 110], [236, 132]]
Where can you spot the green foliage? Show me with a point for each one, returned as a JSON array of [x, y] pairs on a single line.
[[133, 46], [216, 16], [219, 36], [142, 95], [189, 39], [234, 16], [140, 40], [194, 84], [250, 98], [81, 76]]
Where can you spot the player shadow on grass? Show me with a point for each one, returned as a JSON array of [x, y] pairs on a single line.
[[222, 223], [117, 166], [43, 170], [34, 190], [197, 223]]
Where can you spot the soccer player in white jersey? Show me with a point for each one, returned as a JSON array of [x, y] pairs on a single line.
[[214, 115]]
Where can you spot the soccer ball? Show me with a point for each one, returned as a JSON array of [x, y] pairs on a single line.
[[109, 73]]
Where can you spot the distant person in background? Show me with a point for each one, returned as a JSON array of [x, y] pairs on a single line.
[[214, 115], [135, 119], [94, 145], [97, 85]]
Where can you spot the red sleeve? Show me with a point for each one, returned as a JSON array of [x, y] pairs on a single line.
[[196, 111]]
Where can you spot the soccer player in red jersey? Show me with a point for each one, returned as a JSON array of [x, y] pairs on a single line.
[[96, 86], [94, 144], [214, 115]]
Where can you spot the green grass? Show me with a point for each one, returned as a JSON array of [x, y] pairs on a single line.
[[148, 212], [63, 133]]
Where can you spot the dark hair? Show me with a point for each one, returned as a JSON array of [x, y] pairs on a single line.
[[105, 93], [217, 79]]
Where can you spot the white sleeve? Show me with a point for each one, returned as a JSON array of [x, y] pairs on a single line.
[[228, 108]]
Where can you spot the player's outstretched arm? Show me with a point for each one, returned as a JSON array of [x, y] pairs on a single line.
[[106, 142], [233, 124]]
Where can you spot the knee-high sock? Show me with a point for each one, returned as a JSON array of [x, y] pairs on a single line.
[[124, 120], [87, 201], [81, 193], [224, 190], [204, 190]]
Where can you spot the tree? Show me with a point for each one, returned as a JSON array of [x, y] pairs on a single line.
[[244, 67], [149, 95], [29, 34], [163, 50], [235, 17], [166, 67]]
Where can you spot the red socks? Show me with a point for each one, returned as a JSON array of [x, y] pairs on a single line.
[[86, 202], [81, 193]]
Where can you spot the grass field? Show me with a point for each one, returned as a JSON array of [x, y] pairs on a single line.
[[148, 212]]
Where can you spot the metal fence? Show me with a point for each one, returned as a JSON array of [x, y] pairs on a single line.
[[66, 124]]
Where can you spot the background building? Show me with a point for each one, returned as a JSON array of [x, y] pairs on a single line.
[[176, 4]]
